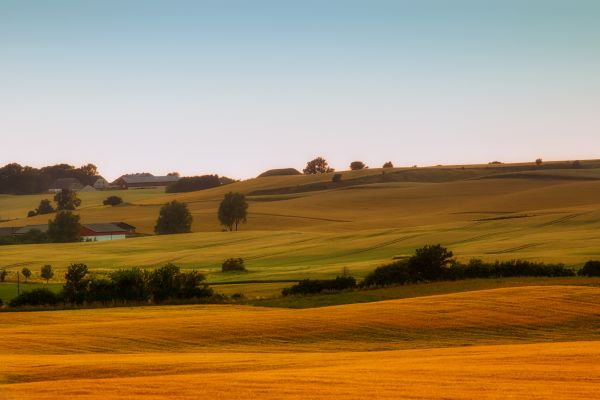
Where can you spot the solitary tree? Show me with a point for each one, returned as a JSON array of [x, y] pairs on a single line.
[[113, 201], [538, 162], [64, 228], [76, 284], [66, 200], [356, 165], [317, 166], [174, 217], [45, 207], [388, 165], [46, 272], [233, 210], [26, 273]]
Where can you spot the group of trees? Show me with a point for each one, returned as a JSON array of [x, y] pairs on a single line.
[[193, 183], [175, 216], [65, 200], [135, 285], [436, 263], [320, 166], [18, 179]]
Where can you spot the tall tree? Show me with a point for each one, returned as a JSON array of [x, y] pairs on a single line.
[[26, 273], [64, 228], [76, 284], [174, 217], [233, 210], [317, 166], [66, 200], [356, 165]]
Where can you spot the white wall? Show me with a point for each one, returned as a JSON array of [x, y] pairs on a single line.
[[103, 238]]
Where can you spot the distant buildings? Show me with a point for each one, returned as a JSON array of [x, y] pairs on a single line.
[[143, 181], [72, 184], [89, 232]]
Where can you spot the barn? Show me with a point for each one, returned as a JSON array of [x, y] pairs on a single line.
[[103, 232], [72, 184]]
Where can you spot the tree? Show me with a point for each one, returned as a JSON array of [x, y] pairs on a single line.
[[64, 228], [233, 265], [356, 165], [317, 166], [336, 178], [46, 272], [45, 207], [66, 200], [31, 213], [174, 217], [538, 162], [26, 273], [76, 284], [233, 210], [112, 201], [388, 165], [3, 274], [429, 262], [193, 183], [174, 173]]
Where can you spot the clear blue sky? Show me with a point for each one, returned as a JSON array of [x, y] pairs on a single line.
[[238, 87]]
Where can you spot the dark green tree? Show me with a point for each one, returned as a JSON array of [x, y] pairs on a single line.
[[76, 284], [430, 261], [26, 273], [174, 217], [66, 200], [317, 166], [356, 165], [64, 228], [112, 201], [45, 207], [46, 272], [388, 165], [233, 210]]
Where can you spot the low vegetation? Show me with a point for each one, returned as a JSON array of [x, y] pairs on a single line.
[[591, 268], [233, 265], [113, 201], [193, 183], [311, 286]]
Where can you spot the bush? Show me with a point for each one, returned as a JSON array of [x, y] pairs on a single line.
[[336, 178], [169, 282], [591, 268], [130, 285], [398, 273], [193, 183], [280, 172], [113, 201], [36, 297], [357, 165], [309, 286], [233, 265], [101, 291], [388, 165]]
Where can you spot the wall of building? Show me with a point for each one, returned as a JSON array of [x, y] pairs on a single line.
[[103, 238]]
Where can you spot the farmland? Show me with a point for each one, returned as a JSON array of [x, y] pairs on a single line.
[[535, 342]]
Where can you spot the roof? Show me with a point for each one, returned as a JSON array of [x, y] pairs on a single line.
[[7, 231], [104, 228], [25, 229], [124, 225], [147, 179], [66, 183]]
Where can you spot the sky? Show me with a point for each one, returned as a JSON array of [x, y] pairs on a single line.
[[238, 87]]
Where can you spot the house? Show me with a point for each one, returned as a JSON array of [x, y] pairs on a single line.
[[26, 229], [72, 184], [88, 188], [8, 231], [101, 184], [143, 181], [103, 232]]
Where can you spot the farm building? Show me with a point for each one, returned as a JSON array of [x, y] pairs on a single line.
[[72, 184], [101, 184], [26, 229], [103, 232], [143, 181]]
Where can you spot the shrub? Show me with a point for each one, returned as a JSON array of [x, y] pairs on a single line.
[[36, 297], [26, 273], [310, 286], [112, 201], [233, 265], [3, 274], [280, 172], [398, 273], [75, 288], [193, 183], [31, 213], [101, 291], [130, 285], [46, 272], [336, 178], [169, 282], [34, 236], [591, 268], [388, 165]]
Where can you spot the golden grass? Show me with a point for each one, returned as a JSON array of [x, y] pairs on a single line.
[[411, 348]]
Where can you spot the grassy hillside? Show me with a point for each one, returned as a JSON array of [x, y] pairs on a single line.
[[494, 212], [533, 342]]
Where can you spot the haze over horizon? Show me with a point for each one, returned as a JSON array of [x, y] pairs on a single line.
[[236, 88]]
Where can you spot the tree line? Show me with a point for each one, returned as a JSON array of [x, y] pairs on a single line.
[[18, 179], [125, 286]]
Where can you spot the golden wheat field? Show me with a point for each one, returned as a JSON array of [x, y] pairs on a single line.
[[529, 342]]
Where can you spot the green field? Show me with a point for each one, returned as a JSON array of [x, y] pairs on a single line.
[[298, 230]]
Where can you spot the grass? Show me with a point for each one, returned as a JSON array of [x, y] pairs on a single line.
[[8, 291], [528, 342]]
